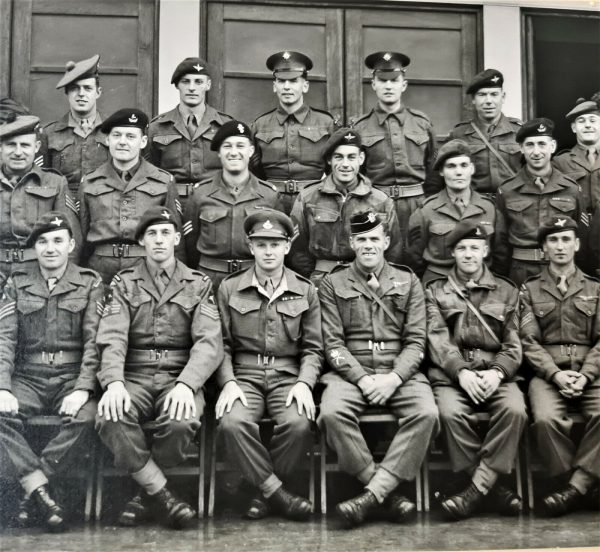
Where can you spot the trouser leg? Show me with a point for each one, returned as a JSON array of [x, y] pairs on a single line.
[[587, 457]]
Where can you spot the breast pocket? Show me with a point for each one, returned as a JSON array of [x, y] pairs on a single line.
[[355, 309], [398, 297], [521, 224], [376, 146], [291, 317], [272, 146], [541, 310], [186, 307], [39, 200], [495, 316], [214, 225], [59, 146], [70, 314], [245, 316], [100, 199], [585, 310], [416, 145], [323, 230], [438, 239], [170, 148], [32, 316], [562, 205]]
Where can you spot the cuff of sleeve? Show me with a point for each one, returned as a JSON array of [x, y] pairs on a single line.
[[305, 378], [85, 386], [454, 365], [225, 372], [354, 374], [107, 380], [590, 371], [404, 372], [192, 383], [549, 374]]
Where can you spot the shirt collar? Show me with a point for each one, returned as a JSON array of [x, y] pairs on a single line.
[[280, 289], [383, 115], [300, 114]]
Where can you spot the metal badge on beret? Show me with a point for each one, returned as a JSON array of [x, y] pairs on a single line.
[[127, 117], [155, 215], [230, 128], [553, 225], [48, 222], [535, 127], [466, 230], [489, 78], [84, 69], [364, 222]]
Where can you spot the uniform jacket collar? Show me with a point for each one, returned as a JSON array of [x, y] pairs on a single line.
[[503, 126], [388, 280], [383, 115], [443, 204], [527, 185], [218, 189], [300, 114], [34, 176], [548, 283], [578, 155], [36, 284], [363, 187], [210, 115], [68, 121], [181, 276], [293, 284], [486, 281], [146, 170]]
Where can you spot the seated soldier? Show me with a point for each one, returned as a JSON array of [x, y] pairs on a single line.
[[49, 316], [473, 342], [159, 340], [374, 333], [273, 356], [560, 325]]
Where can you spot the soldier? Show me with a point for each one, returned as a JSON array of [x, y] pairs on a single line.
[[491, 135], [49, 316], [74, 144], [179, 140], [560, 322], [374, 333], [27, 192], [582, 164], [323, 211], [216, 210], [536, 192], [273, 356], [291, 137], [431, 225], [473, 342], [159, 341], [114, 197], [399, 140]]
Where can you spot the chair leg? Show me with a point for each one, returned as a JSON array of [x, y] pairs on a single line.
[[311, 487], [90, 480], [323, 474], [519, 474], [213, 472], [99, 483], [426, 495], [201, 467], [528, 473], [419, 491]]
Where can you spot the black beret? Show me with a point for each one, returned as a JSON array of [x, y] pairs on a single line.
[[489, 78], [10, 109], [127, 117], [155, 215], [553, 225], [387, 64], [341, 137], [364, 222], [466, 230], [16, 125], [269, 224], [289, 65], [190, 66], [582, 107], [230, 128], [48, 222], [535, 127], [453, 148], [84, 69]]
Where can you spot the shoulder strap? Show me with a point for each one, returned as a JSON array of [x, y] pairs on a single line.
[[474, 310], [385, 308], [492, 149]]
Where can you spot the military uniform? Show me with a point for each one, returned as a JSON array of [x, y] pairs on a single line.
[[150, 342], [213, 227], [67, 149], [48, 350], [322, 214], [111, 208], [430, 225], [458, 340], [360, 339], [270, 345], [562, 332], [489, 171], [521, 206]]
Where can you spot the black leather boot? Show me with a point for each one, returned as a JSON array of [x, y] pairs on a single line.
[[50, 511], [356, 510]]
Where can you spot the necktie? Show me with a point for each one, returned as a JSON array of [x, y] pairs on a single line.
[[85, 126], [126, 176], [562, 284], [373, 282], [269, 287], [192, 125], [460, 205], [591, 155], [161, 280], [539, 183], [52, 283]]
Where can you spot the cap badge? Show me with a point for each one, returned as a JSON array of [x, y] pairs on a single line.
[[387, 56], [198, 67], [133, 118], [495, 79], [371, 217], [349, 137], [267, 225], [478, 231], [166, 215], [560, 222], [541, 128], [56, 221], [240, 128], [286, 55]]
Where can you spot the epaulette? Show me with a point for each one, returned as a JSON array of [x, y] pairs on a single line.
[[562, 152], [355, 120], [163, 173], [51, 170], [462, 123], [532, 278], [419, 113], [435, 279], [338, 267], [157, 117], [323, 112], [590, 277], [225, 116], [89, 272], [487, 198], [515, 121], [117, 277], [401, 267], [238, 273], [267, 184], [203, 182], [265, 113], [506, 279], [430, 198], [309, 187], [91, 175], [302, 278], [202, 275]]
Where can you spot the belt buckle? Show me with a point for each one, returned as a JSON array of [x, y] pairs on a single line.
[[291, 187], [233, 265], [541, 253], [395, 191], [265, 360], [16, 255], [158, 354], [376, 345], [47, 358], [568, 350], [117, 249], [470, 354]]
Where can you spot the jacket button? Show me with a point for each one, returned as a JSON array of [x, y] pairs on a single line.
[[243, 309]]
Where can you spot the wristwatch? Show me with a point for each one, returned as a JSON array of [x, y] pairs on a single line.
[[500, 374]]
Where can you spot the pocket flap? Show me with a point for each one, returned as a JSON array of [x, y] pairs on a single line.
[[292, 308], [27, 306], [98, 189], [319, 214], [542, 308], [268, 136], [495, 310], [586, 307], [519, 205], [139, 299], [244, 305], [509, 148], [166, 139], [185, 300], [368, 141], [152, 188], [212, 214], [417, 138], [72, 304], [314, 134], [441, 228], [40, 191], [563, 204]]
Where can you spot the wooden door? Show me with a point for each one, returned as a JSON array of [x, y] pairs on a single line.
[[48, 33], [443, 49], [241, 36]]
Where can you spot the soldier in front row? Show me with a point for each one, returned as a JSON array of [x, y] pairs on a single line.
[[323, 210], [374, 333], [215, 212], [473, 342], [273, 356], [49, 316], [115, 196], [159, 341], [560, 331]]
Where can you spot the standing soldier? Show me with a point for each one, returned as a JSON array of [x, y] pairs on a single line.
[[292, 136], [215, 213], [159, 341], [431, 225], [179, 140], [560, 325], [273, 355], [524, 201], [473, 342], [399, 140], [49, 316], [27, 192], [74, 144], [323, 210], [491, 135], [374, 333], [114, 197], [582, 164]]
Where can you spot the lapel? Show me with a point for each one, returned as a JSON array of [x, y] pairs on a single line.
[[70, 280], [111, 177], [140, 177], [549, 285], [176, 284], [175, 117], [37, 285], [218, 190], [386, 280], [250, 191], [444, 205], [355, 281], [145, 281], [208, 117], [503, 127]]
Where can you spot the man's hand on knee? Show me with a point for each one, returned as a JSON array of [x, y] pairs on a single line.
[[230, 393], [8, 402], [472, 385], [566, 381], [114, 402], [180, 402], [304, 399], [73, 402], [383, 388]]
